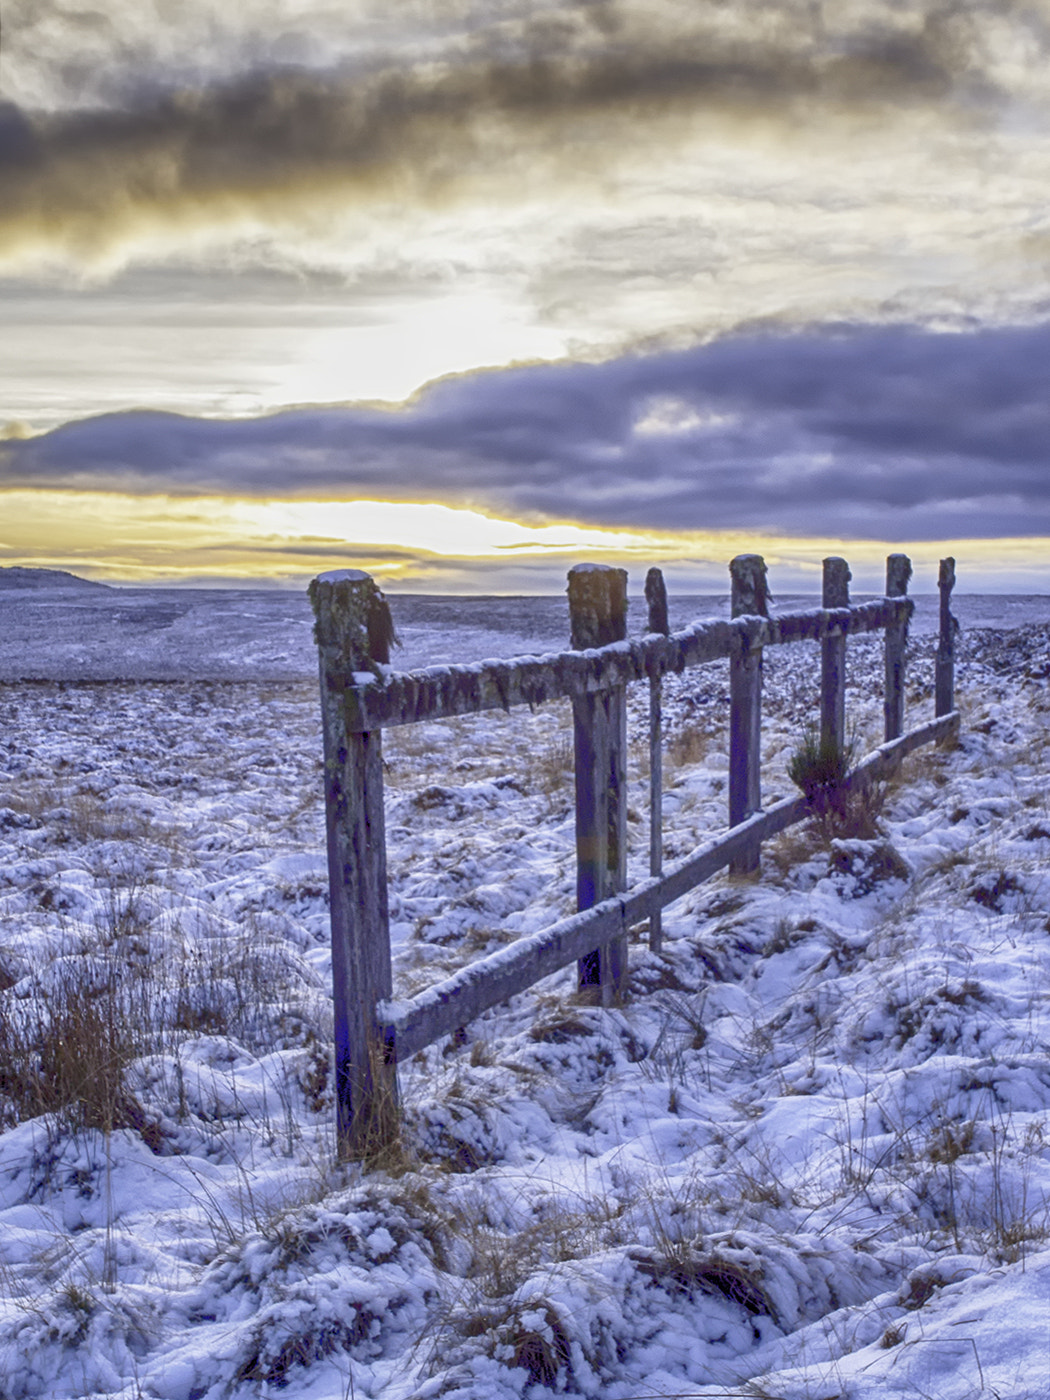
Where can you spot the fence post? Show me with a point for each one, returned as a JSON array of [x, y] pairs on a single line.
[[353, 633], [656, 597], [945, 669], [750, 597], [898, 572], [833, 659], [598, 615]]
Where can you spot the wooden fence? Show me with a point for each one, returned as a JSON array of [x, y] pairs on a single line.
[[361, 695]]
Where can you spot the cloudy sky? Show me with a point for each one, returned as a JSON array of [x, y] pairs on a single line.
[[461, 291]]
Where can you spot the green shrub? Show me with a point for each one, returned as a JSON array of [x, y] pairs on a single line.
[[820, 768], [819, 765]]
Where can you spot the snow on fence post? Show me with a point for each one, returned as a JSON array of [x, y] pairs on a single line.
[[598, 616], [353, 633], [750, 598], [833, 658], [656, 597], [898, 572], [945, 668]]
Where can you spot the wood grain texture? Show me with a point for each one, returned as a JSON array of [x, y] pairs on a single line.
[[365, 1076], [656, 598], [598, 617], [836, 580], [898, 572], [750, 599], [944, 670]]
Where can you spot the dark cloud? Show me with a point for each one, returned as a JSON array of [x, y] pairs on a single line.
[[555, 94], [873, 433]]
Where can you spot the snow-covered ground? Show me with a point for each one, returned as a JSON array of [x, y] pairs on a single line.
[[808, 1158], [86, 631]]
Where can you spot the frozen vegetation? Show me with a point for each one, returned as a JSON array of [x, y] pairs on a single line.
[[808, 1158]]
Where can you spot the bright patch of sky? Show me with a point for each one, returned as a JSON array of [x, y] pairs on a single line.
[[666, 416]]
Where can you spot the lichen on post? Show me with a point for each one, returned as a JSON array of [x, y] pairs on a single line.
[[597, 605], [353, 629], [751, 595], [353, 633], [598, 616]]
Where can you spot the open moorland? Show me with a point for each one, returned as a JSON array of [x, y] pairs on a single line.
[[809, 1157]]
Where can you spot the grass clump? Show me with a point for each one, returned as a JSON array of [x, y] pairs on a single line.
[[820, 768], [820, 765], [67, 1054]]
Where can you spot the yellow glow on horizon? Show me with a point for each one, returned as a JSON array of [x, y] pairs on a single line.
[[164, 539], [129, 536], [437, 529]]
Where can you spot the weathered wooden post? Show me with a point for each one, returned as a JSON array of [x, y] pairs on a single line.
[[598, 615], [353, 633], [833, 659], [656, 597], [945, 668], [750, 598], [898, 572]]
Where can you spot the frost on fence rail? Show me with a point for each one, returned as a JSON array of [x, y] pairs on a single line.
[[361, 695], [441, 692]]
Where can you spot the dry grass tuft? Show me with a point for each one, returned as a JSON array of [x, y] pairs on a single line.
[[551, 767], [687, 747], [990, 890], [685, 1269], [537, 1343], [67, 1053]]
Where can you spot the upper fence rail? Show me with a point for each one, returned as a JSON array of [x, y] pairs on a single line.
[[442, 692]]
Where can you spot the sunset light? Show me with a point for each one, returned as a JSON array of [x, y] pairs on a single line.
[[429, 547], [290, 280]]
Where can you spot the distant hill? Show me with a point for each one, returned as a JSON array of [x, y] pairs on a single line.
[[26, 579]]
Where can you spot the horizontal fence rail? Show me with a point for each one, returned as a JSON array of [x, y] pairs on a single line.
[[361, 695], [443, 692], [413, 1024]]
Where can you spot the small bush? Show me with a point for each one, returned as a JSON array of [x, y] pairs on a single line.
[[820, 768], [819, 765]]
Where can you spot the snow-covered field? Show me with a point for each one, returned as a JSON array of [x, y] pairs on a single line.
[[809, 1157]]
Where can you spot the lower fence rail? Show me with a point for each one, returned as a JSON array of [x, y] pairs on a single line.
[[408, 1026]]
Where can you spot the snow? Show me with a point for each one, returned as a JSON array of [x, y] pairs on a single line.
[[809, 1157]]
